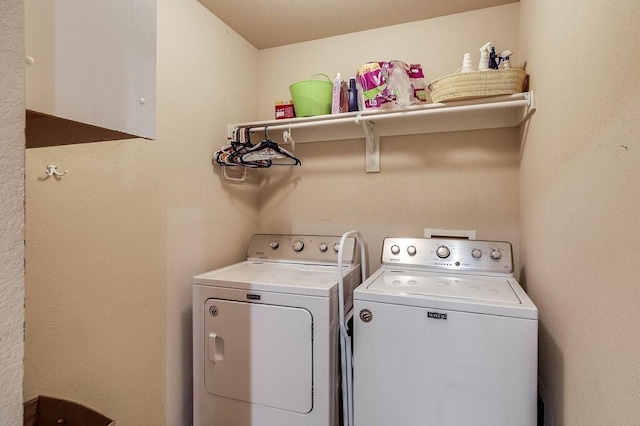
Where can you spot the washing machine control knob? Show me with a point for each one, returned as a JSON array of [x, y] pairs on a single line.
[[336, 247], [476, 253], [274, 244], [395, 249], [297, 245], [495, 254], [323, 247], [443, 252], [411, 250]]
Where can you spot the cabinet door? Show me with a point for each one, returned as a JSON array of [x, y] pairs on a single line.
[[93, 62]]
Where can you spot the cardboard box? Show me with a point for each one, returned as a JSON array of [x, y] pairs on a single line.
[[284, 109]]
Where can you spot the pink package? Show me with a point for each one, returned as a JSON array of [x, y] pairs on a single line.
[[419, 83], [392, 82], [373, 80]]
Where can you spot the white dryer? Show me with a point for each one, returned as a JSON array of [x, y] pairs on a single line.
[[265, 334], [444, 335]]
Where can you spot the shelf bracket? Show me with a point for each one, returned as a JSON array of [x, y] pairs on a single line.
[[531, 107], [372, 154]]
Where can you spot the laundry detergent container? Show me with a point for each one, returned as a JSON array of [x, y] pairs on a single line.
[[312, 97]]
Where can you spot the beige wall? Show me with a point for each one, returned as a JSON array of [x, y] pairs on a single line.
[[12, 213], [460, 180], [112, 246], [465, 180], [579, 204]]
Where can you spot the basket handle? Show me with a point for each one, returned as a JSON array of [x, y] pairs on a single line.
[[324, 75]]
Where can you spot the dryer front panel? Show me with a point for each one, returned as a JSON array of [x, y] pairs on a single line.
[[260, 354]]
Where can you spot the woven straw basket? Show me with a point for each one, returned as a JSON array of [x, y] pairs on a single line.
[[478, 84]]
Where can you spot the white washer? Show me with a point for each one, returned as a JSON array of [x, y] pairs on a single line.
[[444, 335], [265, 334]]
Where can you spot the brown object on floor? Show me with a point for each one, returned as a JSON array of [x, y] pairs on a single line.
[[47, 411]]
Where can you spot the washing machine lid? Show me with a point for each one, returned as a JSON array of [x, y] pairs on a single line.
[[460, 292], [291, 278]]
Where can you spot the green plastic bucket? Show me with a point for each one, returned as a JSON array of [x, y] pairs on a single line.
[[312, 97]]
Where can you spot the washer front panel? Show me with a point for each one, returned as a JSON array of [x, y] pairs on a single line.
[[417, 366]]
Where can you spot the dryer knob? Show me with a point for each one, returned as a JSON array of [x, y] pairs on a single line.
[[323, 247], [298, 245], [336, 247], [476, 253], [274, 244], [395, 249], [412, 250], [495, 254], [443, 252]]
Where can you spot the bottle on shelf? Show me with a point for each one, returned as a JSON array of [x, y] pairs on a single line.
[[353, 95], [335, 98]]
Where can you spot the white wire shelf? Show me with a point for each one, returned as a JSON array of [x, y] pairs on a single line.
[[486, 113]]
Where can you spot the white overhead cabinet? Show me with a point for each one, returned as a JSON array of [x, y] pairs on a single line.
[[92, 64]]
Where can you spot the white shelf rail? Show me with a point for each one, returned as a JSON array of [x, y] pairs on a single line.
[[367, 119]]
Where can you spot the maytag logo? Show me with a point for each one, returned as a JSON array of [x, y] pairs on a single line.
[[437, 315], [253, 296]]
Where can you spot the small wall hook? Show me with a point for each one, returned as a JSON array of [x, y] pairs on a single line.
[[287, 137], [52, 170]]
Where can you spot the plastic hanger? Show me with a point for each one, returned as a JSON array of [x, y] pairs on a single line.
[[231, 154], [269, 150]]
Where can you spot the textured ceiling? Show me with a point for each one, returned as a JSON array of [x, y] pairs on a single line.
[[271, 23]]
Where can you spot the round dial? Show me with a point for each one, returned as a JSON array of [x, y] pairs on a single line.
[[443, 252], [323, 247], [476, 253], [495, 254], [298, 245], [336, 247], [395, 249], [412, 250], [274, 244]]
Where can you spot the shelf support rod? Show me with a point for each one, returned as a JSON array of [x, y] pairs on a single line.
[[372, 116]]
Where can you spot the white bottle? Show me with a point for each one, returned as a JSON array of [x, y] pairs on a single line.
[[483, 65], [505, 60], [335, 97], [466, 63]]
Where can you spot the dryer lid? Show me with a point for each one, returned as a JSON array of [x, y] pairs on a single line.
[[291, 278]]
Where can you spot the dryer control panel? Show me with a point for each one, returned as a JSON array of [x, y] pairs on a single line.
[[449, 254], [301, 248]]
